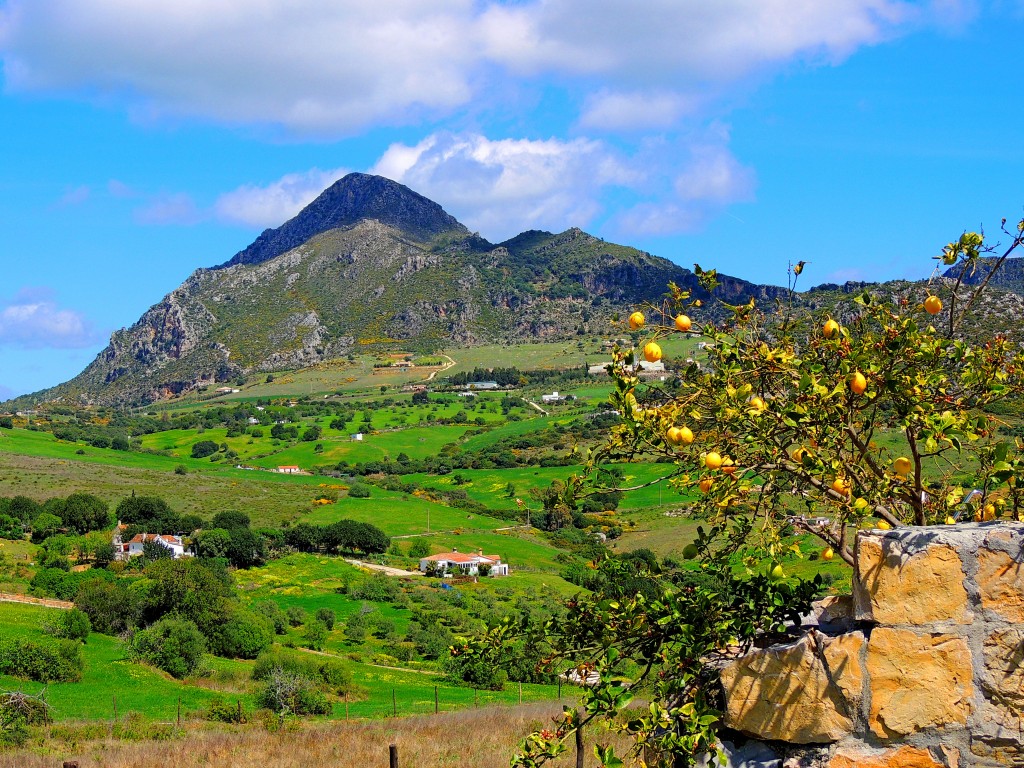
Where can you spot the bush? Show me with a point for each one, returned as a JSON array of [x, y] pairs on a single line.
[[286, 693], [18, 711], [419, 549], [316, 635], [243, 635], [112, 607], [273, 612], [70, 625], [11, 528], [174, 645], [326, 617], [328, 672], [296, 615], [220, 710], [45, 661], [204, 448], [379, 588], [359, 491]]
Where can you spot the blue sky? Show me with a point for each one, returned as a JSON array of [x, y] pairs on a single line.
[[142, 140]]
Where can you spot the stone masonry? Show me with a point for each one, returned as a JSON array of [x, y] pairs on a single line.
[[929, 673]]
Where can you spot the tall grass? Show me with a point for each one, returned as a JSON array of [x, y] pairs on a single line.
[[482, 737]]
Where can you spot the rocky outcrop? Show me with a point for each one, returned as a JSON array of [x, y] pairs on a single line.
[[931, 675]]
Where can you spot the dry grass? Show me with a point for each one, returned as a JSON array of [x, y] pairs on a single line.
[[485, 737]]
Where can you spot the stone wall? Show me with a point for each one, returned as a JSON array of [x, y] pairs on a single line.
[[928, 672]]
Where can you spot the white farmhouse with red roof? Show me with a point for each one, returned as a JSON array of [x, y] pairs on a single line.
[[459, 562]]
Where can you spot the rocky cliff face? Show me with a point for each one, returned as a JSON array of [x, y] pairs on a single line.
[[374, 266]]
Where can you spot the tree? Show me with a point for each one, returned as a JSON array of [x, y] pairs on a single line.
[[780, 430], [230, 520], [204, 448], [172, 644], [83, 512], [315, 636], [326, 617], [44, 526], [10, 528]]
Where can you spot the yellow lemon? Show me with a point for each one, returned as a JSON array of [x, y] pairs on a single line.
[[637, 321], [683, 323]]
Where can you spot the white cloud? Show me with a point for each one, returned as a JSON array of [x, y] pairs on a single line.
[[336, 68], [615, 111], [33, 320], [273, 204], [170, 208], [304, 64], [660, 42], [502, 187], [705, 184]]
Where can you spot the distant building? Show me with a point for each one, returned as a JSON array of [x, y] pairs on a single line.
[[554, 397], [403, 364], [482, 385], [288, 469], [173, 543], [357, 436], [469, 565], [253, 420], [467, 394]]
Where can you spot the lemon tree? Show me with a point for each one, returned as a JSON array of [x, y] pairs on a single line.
[[871, 415]]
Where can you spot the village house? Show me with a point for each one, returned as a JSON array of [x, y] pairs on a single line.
[[461, 563], [288, 469], [173, 543], [482, 385]]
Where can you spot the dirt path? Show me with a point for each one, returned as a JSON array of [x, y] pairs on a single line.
[[9, 597], [442, 369], [534, 405], [384, 569]]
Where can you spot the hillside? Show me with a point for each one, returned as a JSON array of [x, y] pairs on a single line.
[[370, 265]]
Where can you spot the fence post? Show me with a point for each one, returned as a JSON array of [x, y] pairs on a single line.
[[579, 739], [437, 703], [559, 687], [179, 711], [520, 691], [394, 703], [346, 705], [393, 755], [476, 698]]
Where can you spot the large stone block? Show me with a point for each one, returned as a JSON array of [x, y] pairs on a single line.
[[902, 578], [1002, 683], [904, 757], [802, 693], [1001, 584], [917, 682]]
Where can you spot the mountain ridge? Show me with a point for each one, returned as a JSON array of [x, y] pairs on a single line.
[[372, 265]]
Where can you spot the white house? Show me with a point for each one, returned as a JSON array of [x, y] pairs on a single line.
[[554, 397], [356, 436], [173, 543], [469, 565], [288, 469]]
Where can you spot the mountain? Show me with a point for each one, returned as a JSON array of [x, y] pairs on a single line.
[[1010, 276], [371, 265]]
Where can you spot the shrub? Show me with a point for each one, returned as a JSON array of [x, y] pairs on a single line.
[[296, 615], [243, 635], [287, 693], [174, 645], [316, 635], [10, 528], [221, 710], [326, 617], [359, 491], [111, 606], [419, 549], [273, 612], [328, 672], [18, 711], [204, 448], [70, 625], [43, 661], [379, 588]]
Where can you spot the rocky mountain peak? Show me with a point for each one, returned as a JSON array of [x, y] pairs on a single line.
[[353, 198]]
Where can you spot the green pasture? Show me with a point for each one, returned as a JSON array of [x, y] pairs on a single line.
[[108, 673], [400, 514]]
